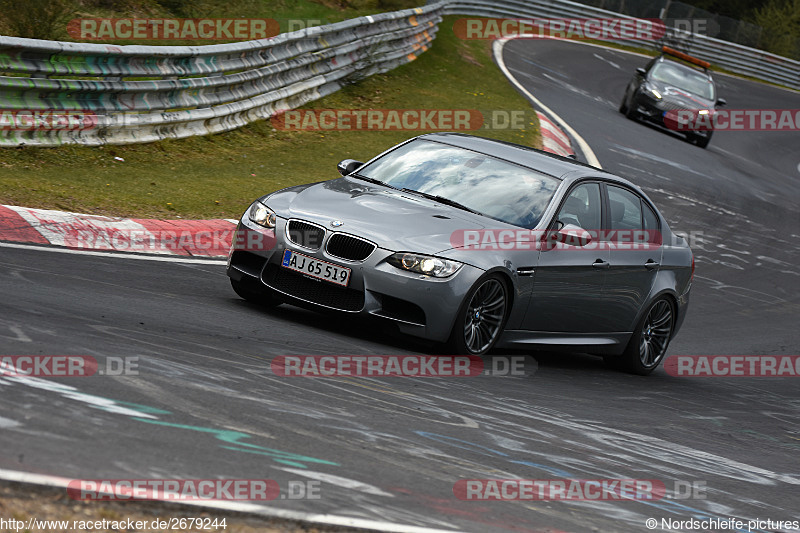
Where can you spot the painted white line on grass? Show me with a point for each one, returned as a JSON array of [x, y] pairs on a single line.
[[497, 50]]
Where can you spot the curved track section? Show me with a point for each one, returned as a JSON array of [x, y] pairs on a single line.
[[205, 403], [736, 200]]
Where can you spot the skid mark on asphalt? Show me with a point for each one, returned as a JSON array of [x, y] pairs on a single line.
[[18, 334], [7, 423], [169, 343], [742, 292], [540, 66], [638, 154], [604, 60], [608, 451], [578, 460], [508, 441], [421, 407], [340, 481], [235, 440]]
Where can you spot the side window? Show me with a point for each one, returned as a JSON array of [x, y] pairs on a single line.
[[650, 224], [582, 207], [625, 209]]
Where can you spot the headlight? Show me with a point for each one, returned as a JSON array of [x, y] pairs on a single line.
[[424, 264], [652, 90], [261, 215], [703, 112]]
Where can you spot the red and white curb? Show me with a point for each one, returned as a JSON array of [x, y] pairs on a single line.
[[195, 238], [554, 140], [586, 150]]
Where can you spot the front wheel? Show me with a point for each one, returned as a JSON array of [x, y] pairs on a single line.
[[703, 140], [629, 110], [623, 107], [648, 344], [248, 292], [481, 317]]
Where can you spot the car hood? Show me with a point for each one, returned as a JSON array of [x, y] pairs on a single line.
[[392, 219], [681, 98]]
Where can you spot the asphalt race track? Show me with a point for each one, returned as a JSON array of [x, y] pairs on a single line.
[[205, 403]]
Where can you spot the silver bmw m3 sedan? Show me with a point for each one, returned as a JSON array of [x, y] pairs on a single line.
[[476, 244]]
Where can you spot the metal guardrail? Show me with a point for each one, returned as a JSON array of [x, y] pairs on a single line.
[[196, 90], [733, 57]]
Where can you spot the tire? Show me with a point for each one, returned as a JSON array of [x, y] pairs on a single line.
[[622, 107], [702, 142], [631, 113], [247, 292], [481, 317], [650, 340]]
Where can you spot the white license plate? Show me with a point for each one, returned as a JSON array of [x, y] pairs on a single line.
[[315, 268]]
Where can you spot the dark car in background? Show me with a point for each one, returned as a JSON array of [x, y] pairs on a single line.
[[663, 90], [475, 243]]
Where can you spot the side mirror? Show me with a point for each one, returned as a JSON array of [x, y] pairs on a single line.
[[572, 235], [721, 102], [641, 71], [348, 166]]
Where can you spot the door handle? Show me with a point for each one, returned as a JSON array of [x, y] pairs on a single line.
[[601, 264], [650, 264]]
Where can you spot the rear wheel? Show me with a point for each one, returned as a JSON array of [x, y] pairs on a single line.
[[481, 317], [648, 344]]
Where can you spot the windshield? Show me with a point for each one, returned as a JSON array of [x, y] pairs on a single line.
[[490, 186], [684, 78]]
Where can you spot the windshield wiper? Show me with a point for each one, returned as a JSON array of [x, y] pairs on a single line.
[[443, 200], [371, 180]]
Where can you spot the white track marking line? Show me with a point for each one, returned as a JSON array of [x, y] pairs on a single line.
[[115, 255], [497, 50], [243, 507]]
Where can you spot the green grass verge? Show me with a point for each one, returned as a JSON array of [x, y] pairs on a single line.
[[217, 176]]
